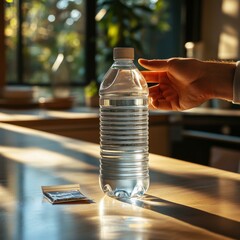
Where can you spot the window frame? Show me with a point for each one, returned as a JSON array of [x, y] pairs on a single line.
[[2, 48]]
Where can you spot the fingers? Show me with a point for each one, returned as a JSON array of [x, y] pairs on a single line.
[[159, 104], [154, 65], [157, 99], [162, 97]]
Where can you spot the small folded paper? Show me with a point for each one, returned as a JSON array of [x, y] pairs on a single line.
[[65, 194]]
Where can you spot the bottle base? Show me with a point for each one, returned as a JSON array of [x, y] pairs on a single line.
[[137, 192]]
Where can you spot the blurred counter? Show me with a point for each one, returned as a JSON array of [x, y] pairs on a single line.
[[187, 135], [83, 123]]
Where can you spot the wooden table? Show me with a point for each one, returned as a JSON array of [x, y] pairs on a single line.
[[185, 201]]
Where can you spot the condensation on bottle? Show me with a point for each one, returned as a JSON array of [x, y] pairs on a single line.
[[124, 171]]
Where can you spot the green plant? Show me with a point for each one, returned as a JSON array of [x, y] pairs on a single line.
[[91, 89], [127, 23]]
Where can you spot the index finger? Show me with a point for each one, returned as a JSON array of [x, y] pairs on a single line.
[[153, 76], [154, 65]]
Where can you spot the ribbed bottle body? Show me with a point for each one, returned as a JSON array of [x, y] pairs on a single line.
[[124, 145]]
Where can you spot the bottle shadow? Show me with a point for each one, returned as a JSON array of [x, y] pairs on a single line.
[[199, 218]]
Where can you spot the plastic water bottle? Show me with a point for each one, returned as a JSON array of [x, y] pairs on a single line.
[[124, 128]]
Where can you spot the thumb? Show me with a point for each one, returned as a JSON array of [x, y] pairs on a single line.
[[154, 65]]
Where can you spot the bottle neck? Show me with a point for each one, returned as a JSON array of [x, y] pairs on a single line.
[[124, 63]]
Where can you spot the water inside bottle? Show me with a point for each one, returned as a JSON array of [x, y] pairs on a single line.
[[124, 145]]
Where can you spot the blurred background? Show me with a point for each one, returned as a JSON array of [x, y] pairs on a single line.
[[54, 54], [71, 41]]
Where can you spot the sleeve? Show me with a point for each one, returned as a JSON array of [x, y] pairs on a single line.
[[236, 84]]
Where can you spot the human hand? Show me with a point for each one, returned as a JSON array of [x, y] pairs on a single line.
[[184, 83]]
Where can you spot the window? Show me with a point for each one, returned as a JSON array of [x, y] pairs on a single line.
[[46, 40]]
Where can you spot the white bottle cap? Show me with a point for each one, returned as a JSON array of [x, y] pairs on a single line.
[[123, 53]]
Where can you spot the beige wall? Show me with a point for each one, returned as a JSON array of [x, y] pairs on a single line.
[[221, 29]]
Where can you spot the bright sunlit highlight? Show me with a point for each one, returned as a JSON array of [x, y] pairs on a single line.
[[228, 46], [51, 18], [100, 14], [75, 14], [57, 62], [62, 4], [230, 7], [69, 21]]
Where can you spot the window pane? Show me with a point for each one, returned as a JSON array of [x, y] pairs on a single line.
[[53, 36]]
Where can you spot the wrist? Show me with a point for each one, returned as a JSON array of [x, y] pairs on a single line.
[[221, 76]]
